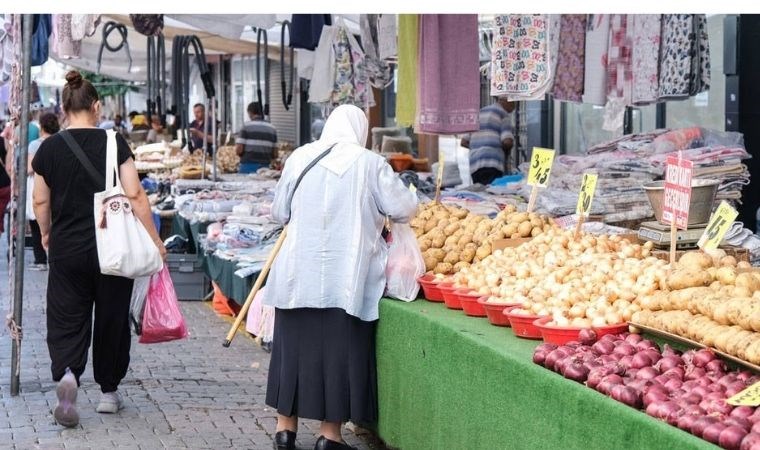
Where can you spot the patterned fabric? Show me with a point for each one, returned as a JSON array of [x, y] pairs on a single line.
[[520, 61], [449, 81], [619, 76], [595, 75], [351, 80], [568, 82], [700, 76], [379, 70], [645, 57], [678, 48]]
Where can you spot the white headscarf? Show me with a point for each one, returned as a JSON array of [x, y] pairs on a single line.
[[347, 128]]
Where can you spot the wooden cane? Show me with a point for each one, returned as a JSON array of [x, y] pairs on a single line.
[[255, 289]]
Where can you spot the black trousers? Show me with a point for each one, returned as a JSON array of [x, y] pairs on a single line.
[[75, 285], [40, 256], [486, 175]]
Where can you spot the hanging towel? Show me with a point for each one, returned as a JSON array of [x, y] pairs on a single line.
[[568, 81], [619, 75], [646, 58], [406, 95], [678, 48], [595, 73], [386, 37], [449, 80], [520, 60], [306, 30]]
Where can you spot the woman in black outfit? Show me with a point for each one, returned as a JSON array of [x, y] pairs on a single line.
[[63, 193]]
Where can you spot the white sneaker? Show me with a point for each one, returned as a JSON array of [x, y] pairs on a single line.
[[38, 267], [110, 403], [65, 412]]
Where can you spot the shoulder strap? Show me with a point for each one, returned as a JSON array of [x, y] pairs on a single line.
[[79, 153], [300, 177]]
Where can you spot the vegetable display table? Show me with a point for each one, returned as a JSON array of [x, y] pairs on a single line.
[[446, 380]]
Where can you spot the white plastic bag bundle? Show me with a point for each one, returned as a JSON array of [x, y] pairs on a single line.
[[405, 264], [137, 303]]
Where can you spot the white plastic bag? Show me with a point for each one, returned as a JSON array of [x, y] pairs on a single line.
[[405, 264], [124, 246], [137, 304]]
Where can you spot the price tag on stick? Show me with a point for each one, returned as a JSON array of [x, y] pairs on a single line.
[[538, 176], [720, 222], [439, 178], [747, 397], [588, 186], [676, 197]]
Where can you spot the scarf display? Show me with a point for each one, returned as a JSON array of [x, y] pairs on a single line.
[[647, 29], [619, 74], [595, 73], [685, 56], [568, 83], [448, 73], [406, 94]]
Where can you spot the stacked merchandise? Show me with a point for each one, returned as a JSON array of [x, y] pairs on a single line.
[[738, 236]]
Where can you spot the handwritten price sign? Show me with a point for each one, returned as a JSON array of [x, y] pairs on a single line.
[[720, 222], [540, 167], [747, 397], [677, 195], [587, 194]]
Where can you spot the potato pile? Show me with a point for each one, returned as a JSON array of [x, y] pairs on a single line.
[[452, 238], [227, 159], [588, 281], [733, 340]]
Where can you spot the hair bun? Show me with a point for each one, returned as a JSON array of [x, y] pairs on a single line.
[[74, 79]]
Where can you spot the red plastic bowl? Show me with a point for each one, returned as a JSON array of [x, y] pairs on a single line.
[[494, 311], [555, 334], [431, 289], [469, 300], [450, 298], [522, 325]]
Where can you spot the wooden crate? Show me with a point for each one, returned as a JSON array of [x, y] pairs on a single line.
[[741, 254]]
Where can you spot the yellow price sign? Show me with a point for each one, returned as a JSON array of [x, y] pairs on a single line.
[[720, 222], [588, 186], [540, 167], [747, 397]]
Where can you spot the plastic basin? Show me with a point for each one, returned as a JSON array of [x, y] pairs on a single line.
[[494, 311], [450, 297], [469, 300], [431, 290], [523, 325]]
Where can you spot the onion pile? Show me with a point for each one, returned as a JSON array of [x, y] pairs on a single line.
[[686, 390], [586, 282]]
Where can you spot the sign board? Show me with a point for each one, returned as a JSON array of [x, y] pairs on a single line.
[[540, 167], [677, 196], [720, 222], [588, 186]]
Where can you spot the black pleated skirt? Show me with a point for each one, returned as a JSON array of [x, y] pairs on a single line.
[[323, 366]]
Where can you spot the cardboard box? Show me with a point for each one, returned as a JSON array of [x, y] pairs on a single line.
[[501, 244]]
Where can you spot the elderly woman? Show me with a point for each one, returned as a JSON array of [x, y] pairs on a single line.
[[328, 278]]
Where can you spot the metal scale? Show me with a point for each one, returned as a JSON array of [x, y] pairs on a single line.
[[659, 234]]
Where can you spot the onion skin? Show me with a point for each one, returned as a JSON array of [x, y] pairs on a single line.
[[755, 428], [633, 338], [716, 366], [744, 424], [686, 421], [703, 422], [712, 432], [647, 373], [624, 349], [669, 362], [539, 357], [693, 373], [751, 442], [703, 356], [604, 346], [676, 372], [742, 412], [626, 395], [587, 336], [669, 351], [731, 437], [640, 360]]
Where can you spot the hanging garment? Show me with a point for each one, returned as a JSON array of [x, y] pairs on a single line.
[[568, 81], [619, 76], [40, 38], [700, 68], [84, 25], [520, 62], [6, 49], [386, 36], [645, 58], [595, 72], [406, 94], [678, 48], [64, 46], [230, 26], [378, 69], [449, 81], [306, 30], [148, 24]]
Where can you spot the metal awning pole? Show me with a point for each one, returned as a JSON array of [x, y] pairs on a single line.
[[18, 291]]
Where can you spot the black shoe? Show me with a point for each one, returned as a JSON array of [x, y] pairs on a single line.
[[285, 440], [325, 444]]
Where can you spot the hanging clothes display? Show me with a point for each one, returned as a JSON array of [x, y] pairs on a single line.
[[678, 48], [340, 75], [43, 26], [645, 58], [306, 29], [230, 26], [568, 81], [619, 75], [524, 55], [84, 25], [386, 37], [595, 71], [7, 56], [378, 69], [700, 73], [68, 32], [449, 81], [406, 94]]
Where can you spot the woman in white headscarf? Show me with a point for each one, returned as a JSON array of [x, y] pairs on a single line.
[[328, 278]]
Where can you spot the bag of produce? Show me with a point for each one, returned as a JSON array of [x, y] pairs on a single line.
[[162, 318], [405, 264]]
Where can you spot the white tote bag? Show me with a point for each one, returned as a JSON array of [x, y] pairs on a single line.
[[125, 248]]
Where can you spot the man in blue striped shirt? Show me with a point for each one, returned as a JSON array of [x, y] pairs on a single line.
[[490, 146], [255, 144]]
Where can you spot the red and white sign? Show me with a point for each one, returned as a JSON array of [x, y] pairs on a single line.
[[677, 196]]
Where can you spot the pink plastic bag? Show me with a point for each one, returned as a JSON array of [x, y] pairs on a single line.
[[162, 319]]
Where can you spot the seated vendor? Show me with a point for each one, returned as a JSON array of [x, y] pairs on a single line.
[[255, 144], [156, 130], [491, 145]]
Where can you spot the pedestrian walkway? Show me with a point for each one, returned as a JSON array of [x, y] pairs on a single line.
[[191, 393]]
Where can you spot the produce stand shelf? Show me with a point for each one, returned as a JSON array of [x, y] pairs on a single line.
[[694, 344], [446, 380]]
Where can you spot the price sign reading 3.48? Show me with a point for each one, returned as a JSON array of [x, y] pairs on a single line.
[[587, 194], [720, 222], [540, 167]]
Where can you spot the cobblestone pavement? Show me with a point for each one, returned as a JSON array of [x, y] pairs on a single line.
[[191, 393]]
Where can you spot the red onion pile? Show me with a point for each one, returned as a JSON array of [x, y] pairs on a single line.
[[686, 390]]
